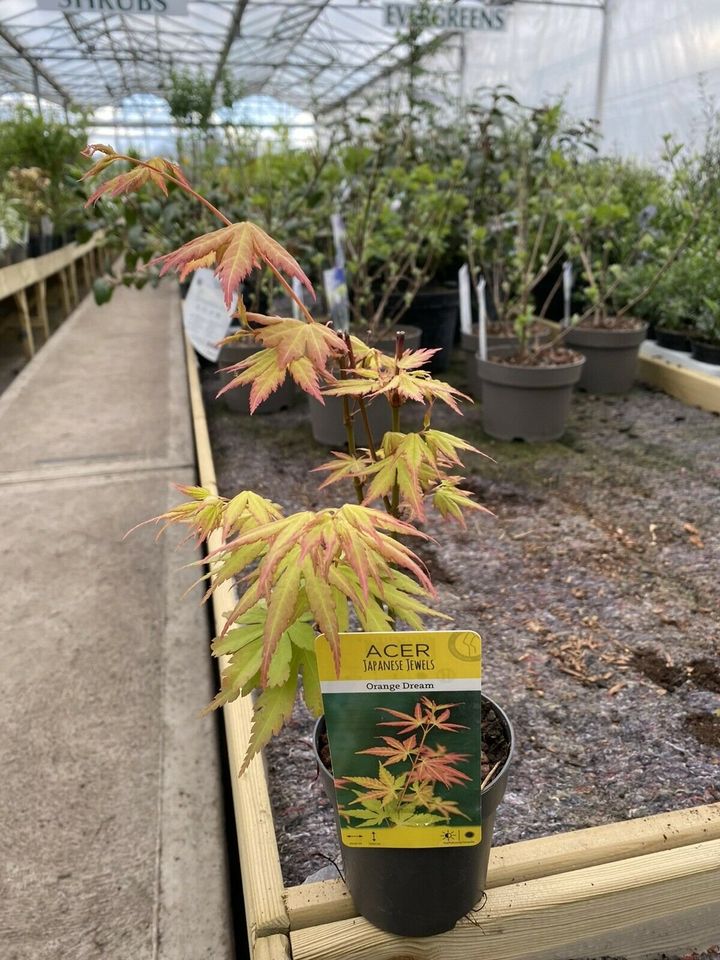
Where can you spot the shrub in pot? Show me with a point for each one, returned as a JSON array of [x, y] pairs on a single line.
[[706, 342], [630, 229], [311, 570], [398, 214], [514, 237]]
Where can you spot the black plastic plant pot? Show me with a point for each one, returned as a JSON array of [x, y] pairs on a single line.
[[673, 339], [611, 357], [706, 352], [526, 403], [435, 312], [238, 399], [420, 892]]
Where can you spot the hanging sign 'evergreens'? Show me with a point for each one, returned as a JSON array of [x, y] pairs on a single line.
[[446, 16], [174, 8], [403, 722]]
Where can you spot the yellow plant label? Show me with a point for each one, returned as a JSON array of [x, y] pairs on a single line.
[[403, 722]]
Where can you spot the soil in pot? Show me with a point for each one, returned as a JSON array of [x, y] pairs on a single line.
[[610, 351], [500, 335], [423, 892], [706, 351], [528, 397]]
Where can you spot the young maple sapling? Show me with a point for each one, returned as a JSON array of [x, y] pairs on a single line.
[[307, 571]]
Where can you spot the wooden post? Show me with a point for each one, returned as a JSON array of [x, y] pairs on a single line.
[[86, 271], [41, 306], [65, 292], [74, 283], [22, 305]]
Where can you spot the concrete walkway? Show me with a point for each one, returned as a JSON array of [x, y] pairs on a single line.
[[111, 823]]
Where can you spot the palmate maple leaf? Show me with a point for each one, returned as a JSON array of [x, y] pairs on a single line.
[[399, 378], [437, 765], [302, 568], [385, 787], [233, 251], [395, 751], [153, 171], [426, 715], [300, 348]]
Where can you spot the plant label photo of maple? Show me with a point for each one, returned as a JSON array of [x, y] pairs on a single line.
[[403, 722]]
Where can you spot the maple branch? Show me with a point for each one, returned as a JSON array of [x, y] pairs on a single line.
[[290, 291], [347, 418], [183, 186]]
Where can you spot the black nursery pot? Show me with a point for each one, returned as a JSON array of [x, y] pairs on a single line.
[[706, 352], [420, 892], [435, 311], [673, 339]]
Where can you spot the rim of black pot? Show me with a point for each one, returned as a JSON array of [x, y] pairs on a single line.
[[505, 720]]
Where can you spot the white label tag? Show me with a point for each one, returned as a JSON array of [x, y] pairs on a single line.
[[482, 320], [465, 305], [205, 317]]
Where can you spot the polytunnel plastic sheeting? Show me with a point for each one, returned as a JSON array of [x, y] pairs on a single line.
[[663, 61]]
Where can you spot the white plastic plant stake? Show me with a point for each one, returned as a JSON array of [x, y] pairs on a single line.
[[297, 289], [465, 306], [482, 320], [567, 277]]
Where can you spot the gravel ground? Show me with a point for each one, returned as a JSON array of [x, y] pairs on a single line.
[[595, 587]]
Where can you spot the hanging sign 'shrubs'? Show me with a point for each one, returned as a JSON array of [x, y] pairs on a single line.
[[403, 723], [173, 8]]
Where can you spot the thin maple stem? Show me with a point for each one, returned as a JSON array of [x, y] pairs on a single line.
[[183, 186], [345, 363], [417, 751], [290, 291], [352, 449]]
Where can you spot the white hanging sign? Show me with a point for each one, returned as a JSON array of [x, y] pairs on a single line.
[[465, 306], [482, 319], [205, 317], [446, 16], [171, 8]]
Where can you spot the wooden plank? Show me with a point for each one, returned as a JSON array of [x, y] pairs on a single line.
[[72, 270], [86, 270], [259, 861], [41, 306], [625, 906], [22, 304], [312, 904], [18, 276], [65, 291], [692, 387], [276, 947]]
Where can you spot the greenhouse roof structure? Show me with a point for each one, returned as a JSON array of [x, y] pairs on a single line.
[[636, 65]]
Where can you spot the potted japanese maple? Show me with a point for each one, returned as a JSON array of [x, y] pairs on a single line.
[[310, 571]]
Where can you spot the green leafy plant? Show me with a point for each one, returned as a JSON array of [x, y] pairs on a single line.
[[409, 795], [310, 570], [514, 234]]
